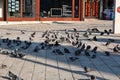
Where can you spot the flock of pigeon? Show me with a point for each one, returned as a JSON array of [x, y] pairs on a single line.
[[53, 39]]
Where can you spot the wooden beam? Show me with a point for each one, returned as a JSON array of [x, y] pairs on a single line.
[[73, 8], [37, 9], [82, 10]]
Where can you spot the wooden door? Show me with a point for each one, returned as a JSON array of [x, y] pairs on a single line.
[[91, 8]]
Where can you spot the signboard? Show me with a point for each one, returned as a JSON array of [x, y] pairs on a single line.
[[55, 12], [118, 9]]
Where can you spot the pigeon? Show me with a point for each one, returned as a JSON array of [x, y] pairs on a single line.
[[116, 48], [72, 37], [95, 30], [79, 44], [83, 47], [10, 74], [56, 44], [22, 32], [107, 43], [107, 53], [57, 51], [33, 34], [93, 56], [76, 43], [8, 33], [73, 58], [30, 39], [73, 43], [85, 34], [18, 38], [5, 52], [9, 44], [18, 43], [95, 38], [13, 54], [88, 48], [77, 52], [66, 50], [43, 47], [36, 49], [94, 49], [66, 31], [45, 33], [87, 53], [107, 32], [62, 39], [5, 40], [53, 40], [68, 40], [89, 31], [13, 76], [102, 33], [46, 41], [19, 78], [90, 39], [21, 55], [68, 35], [87, 69], [52, 36], [3, 66], [56, 36], [74, 29], [110, 30], [49, 46], [93, 77]]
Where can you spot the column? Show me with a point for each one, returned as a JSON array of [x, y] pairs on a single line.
[[116, 26], [1, 8]]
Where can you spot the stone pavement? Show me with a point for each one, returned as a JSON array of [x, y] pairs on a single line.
[[46, 65]]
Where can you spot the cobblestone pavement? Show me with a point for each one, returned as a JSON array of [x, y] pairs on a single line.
[[46, 65]]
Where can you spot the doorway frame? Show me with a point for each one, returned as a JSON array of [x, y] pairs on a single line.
[[66, 19]]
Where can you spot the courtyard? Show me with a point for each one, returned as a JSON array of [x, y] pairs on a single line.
[[45, 64]]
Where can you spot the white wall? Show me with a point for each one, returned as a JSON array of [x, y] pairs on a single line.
[[117, 18], [1, 9]]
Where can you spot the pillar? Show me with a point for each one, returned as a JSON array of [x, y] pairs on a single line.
[[116, 22]]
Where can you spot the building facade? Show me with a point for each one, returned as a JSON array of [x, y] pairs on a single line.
[[50, 10]]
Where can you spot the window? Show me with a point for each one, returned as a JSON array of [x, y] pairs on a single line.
[[28, 8], [55, 8], [14, 8], [76, 9]]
